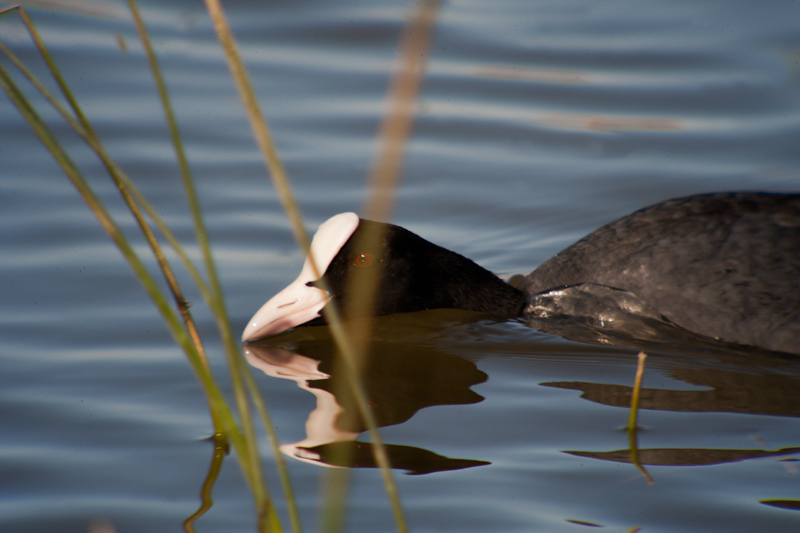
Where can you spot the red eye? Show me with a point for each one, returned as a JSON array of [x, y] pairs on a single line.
[[363, 260]]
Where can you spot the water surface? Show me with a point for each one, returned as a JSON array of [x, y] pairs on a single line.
[[538, 122]]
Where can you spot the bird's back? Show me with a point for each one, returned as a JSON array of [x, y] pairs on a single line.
[[723, 265]]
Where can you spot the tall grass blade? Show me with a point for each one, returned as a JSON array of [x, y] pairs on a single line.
[[86, 8], [186, 336], [383, 180], [93, 143], [88, 133], [259, 126], [396, 126], [240, 373], [281, 183], [206, 498], [174, 325], [352, 344], [52, 144], [633, 429]]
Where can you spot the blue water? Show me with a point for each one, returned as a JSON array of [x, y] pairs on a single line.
[[537, 122]]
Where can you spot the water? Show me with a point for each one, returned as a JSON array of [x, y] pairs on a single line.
[[538, 122]]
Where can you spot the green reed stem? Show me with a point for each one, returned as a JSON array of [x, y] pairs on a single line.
[[113, 170], [240, 373], [281, 183], [129, 185], [56, 73], [637, 389], [206, 491], [259, 126], [384, 178], [396, 126], [174, 325], [280, 460], [188, 338], [633, 430], [335, 486]]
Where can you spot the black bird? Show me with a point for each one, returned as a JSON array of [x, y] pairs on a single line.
[[723, 265]]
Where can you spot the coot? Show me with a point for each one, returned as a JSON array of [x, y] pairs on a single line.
[[724, 266]]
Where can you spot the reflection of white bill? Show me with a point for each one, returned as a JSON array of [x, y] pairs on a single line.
[[321, 424]]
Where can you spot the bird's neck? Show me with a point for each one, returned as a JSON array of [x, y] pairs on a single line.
[[497, 298], [474, 288]]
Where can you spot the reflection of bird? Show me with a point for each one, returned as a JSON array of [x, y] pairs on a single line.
[[725, 265], [357, 454], [685, 456], [398, 383], [719, 383]]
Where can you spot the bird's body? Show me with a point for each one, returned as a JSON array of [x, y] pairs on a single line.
[[724, 265]]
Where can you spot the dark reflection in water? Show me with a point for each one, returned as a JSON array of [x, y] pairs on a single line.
[[734, 383], [400, 378], [415, 461], [789, 505], [685, 456], [733, 387], [414, 365]]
